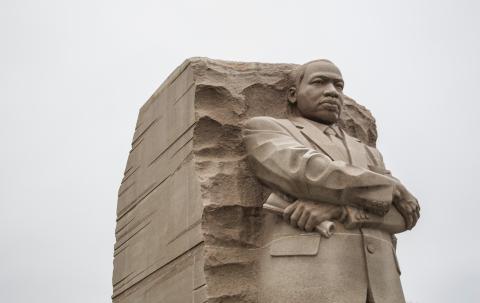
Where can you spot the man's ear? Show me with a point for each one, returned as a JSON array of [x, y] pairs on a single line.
[[292, 95]]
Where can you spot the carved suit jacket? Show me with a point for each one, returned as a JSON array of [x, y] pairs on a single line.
[[295, 157]]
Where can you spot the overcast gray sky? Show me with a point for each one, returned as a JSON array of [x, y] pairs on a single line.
[[73, 75]]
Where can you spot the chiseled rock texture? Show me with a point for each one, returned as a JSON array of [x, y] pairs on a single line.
[[189, 211]]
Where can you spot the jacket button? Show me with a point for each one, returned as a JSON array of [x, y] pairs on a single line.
[[370, 248]]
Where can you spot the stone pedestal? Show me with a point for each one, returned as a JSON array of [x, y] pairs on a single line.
[[189, 211]]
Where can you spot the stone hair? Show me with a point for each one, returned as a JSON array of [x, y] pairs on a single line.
[[299, 72]]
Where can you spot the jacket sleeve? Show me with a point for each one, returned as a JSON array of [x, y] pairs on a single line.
[[283, 163], [392, 222]]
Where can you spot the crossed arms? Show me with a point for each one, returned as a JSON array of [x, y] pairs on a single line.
[[286, 165]]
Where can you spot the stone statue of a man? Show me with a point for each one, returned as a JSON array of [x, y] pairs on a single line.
[[325, 175]]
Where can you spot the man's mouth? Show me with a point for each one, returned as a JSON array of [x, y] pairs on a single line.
[[330, 104]]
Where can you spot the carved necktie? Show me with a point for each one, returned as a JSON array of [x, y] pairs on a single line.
[[337, 141]]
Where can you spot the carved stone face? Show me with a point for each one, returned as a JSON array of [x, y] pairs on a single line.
[[319, 95]]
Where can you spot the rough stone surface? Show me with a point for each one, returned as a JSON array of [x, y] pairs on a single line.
[[189, 212]]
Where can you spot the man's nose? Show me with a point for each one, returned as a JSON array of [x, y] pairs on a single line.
[[331, 91]]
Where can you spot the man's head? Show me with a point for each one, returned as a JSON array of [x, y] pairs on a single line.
[[318, 91]]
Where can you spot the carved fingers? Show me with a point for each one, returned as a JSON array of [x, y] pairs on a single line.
[[311, 223], [410, 211], [298, 213], [414, 210], [301, 223], [407, 205], [287, 213], [307, 215]]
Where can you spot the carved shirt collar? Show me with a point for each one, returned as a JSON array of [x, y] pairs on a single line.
[[324, 128]]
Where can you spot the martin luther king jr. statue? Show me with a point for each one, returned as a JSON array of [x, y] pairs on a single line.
[[335, 208]]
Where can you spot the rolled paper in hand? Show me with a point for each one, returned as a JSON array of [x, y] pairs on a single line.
[[277, 205], [326, 228]]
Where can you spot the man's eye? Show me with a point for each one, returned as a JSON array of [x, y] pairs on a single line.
[[339, 86], [318, 81]]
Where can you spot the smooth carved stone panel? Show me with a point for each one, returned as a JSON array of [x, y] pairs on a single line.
[[188, 214]]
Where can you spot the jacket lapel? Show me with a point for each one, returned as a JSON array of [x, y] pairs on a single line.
[[318, 138], [356, 150]]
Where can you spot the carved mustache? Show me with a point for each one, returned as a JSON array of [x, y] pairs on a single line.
[[330, 101]]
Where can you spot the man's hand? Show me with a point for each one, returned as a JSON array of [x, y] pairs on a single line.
[[306, 215], [407, 205]]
